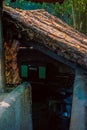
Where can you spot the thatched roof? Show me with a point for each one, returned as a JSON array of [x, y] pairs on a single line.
[[49, 31]]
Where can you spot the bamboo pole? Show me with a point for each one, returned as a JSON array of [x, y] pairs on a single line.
[[2, 77]]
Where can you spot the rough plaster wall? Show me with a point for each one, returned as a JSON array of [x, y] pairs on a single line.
[[15, 109], [78, 115]]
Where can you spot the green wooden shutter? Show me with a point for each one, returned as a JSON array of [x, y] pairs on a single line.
[[24, 71], [42, 72]]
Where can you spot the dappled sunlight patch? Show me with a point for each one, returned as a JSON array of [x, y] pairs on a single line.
[[4, 104]]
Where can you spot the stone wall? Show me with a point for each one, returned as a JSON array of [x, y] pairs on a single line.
[[15, 109], [11, 68]]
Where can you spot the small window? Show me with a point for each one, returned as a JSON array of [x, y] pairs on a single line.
[[42, 72], [24, 71]]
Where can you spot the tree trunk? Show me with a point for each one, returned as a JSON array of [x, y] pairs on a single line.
[[2, 77]]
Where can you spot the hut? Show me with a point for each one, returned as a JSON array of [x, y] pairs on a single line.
[[42, 49]]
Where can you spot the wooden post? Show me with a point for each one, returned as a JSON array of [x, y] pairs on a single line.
[[2, 83], [79, 101]]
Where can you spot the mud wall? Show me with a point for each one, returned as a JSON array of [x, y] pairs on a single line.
[[15, 109]]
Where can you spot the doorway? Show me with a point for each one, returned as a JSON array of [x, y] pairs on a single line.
[[52, 89]]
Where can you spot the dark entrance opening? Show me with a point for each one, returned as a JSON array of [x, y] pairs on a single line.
[[52, 87]]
